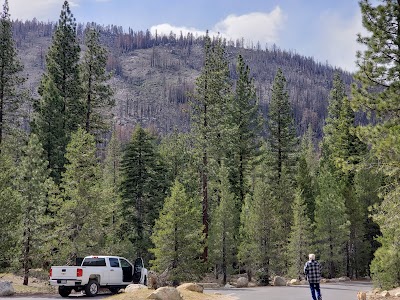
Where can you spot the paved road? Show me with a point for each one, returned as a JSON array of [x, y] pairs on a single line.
[[330, 291]]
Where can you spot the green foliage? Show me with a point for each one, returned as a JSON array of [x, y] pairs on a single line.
[[385, 267], [98, 94], [331, 222], [209, 119], [80, 216], [48, 125], [66, 105], [143, 188], [283, 157], [306, 177], [11, 93], [32, 184], [223, 230], [301, 236], [376, 92], [178, 236], [261, 230], [245, 122], [111, 180], [10, 208]]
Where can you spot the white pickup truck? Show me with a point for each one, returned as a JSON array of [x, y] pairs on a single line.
[[96, 272]]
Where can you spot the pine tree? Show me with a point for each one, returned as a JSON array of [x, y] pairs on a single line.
[[246, 121], [224, 224], [62, 64], [208, 109], [10, 209], [306, 173], [110, 190], [178, 237], [98, 94], [344, 151], [81, 217], [377, 94], [32, 184], [260, 228], [48, 123], [11, 95], [301, 236], [283, 143], [331, 222], [143, 188]]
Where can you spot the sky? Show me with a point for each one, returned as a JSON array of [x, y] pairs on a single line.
[[323, 29]]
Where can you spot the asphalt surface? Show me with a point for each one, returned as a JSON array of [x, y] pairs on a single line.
[[330, 291]]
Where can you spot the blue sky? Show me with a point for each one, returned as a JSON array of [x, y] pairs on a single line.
[[324, 29]]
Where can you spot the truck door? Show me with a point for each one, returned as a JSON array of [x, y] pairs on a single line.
[[127, 270], [137, 270], [115, 271]]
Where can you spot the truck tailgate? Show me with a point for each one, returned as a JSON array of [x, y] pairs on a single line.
[[64, 272]]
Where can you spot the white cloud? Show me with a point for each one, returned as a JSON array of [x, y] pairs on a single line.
[[337, 40], [254, 27]]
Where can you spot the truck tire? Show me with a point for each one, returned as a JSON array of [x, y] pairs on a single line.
[[92, 288], [64, 291]]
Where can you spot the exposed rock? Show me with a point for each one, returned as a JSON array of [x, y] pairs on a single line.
[[361, 296], [279, 281], [294, 282], [6, 288], [397, 294], [194, 287], [242, 282], [228, 286], [134, 287], [343, 278], [324, 280], [376, 291], [252, 284], [166, 293], [385, 294]]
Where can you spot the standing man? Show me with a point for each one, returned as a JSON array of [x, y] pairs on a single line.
[[312, 270]]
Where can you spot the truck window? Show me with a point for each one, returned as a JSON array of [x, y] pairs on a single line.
[[125, 264], [114, 263], [94, 262]]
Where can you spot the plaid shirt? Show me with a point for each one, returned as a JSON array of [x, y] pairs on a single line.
[[312, 270]]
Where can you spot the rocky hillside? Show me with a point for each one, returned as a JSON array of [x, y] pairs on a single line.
[[154, 76]]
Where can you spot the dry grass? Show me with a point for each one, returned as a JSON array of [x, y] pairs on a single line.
[[142, 294], [35, 285]]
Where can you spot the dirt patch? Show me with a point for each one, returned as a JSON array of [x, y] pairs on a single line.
[[378, 294], [142, 294], [35, 285]]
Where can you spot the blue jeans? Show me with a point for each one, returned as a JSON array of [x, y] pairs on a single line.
[[315, 287]]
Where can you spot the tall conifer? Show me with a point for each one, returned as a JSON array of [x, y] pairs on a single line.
[[62, 64], [143, 188], [377, 93], [33, 185], [178, 236], [97, 92], [11, 95]]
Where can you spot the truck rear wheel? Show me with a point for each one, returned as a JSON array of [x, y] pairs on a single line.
[[92, 288], [64, 291]]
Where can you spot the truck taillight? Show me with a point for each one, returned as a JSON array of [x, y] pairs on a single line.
[[50, 272], [79, 272]]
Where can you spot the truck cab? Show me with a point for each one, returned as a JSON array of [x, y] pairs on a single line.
[[96, 272]]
